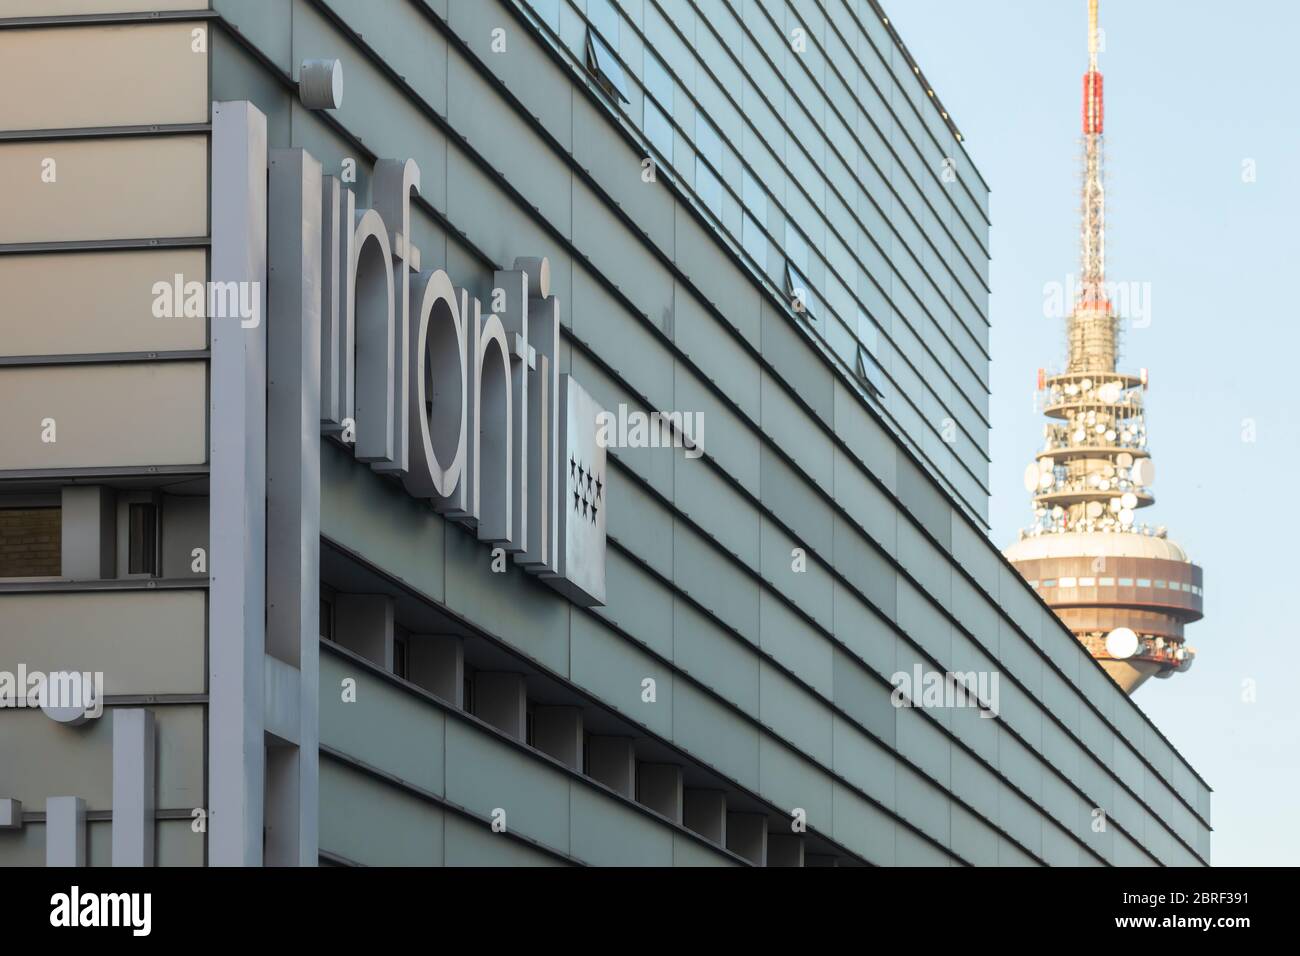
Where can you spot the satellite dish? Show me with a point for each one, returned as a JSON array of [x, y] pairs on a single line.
[[1100, 428], [1058, 511], [1110, 393], [1079, 436], [1115, 505], [1046, 464], [1145, 472], [1046, 480], [1110, 434], [1104, 485], [1129, 500], [1108, 471], [1124, 459], [1094, 509], [1031, 478], [1126, 516], [1087, 384], [1121, 643]]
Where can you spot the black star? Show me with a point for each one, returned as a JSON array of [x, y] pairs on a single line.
[[593, 513], [599, 484], [575, 501], [572, 466], [584, 507]]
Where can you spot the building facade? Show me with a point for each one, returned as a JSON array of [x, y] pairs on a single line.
[[518, 432]]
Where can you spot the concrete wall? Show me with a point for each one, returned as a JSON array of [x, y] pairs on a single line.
[[106, 402]]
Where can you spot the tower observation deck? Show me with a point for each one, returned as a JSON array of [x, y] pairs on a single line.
[[1122, 587]]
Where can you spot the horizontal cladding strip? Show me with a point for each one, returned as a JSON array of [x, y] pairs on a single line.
[[122, 584], [898, 41], [831, 704], [98, 19], [852, 210], [595, 701], [427, 796], [845, 516], [841, 580], [93, 358], [835, 361], [531, 211], [669, 263], [67, 416], [92, 472], [159, 188], [982, 312], [102, 245], [840, 713], [335, 859], [101, 816], [441, 122], [577, 170], [852, 49], [487, 729], [850, 127], [101, 132]]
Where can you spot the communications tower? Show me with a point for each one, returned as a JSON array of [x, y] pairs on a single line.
[[1122, 587]]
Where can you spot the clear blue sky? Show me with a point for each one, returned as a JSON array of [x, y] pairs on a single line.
[[1193, 89]]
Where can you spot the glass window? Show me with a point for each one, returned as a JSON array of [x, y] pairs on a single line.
[[602, 15], [659, 130], [1033, 584], [1049, 583], [606, 67], [658, 81], [548, 11], [868, 373], [1126, 582], [401, 654], [1144, 582], [753, 196], [1069, 582], [796, 248], [31, 542], [754, 241], [802, 299], [1106, 582], [1161, 584], [707, 186], [142, 539], [1087, 582], [869, 333], [707, 141]]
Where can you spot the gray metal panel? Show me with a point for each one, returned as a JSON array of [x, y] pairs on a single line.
[[135, 739], [237, 562], [374, 823], [383, 727], [293, 466]]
